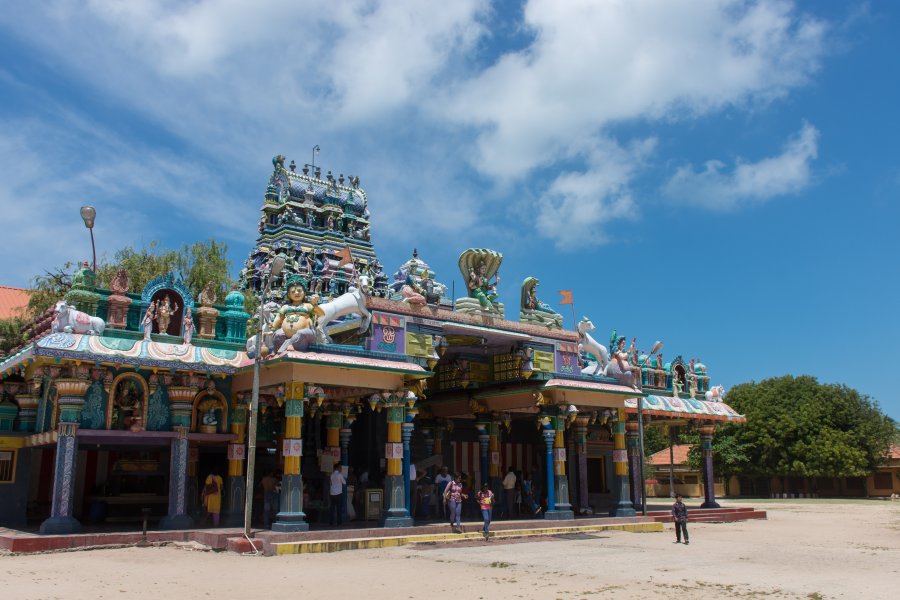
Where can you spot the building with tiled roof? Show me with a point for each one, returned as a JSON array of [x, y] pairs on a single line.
[[12, 301]]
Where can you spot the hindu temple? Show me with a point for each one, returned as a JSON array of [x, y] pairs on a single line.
[[125, 401]]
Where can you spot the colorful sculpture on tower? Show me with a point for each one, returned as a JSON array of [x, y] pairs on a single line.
[[478, 267], [297, 318], [69, 320], [532, 310]]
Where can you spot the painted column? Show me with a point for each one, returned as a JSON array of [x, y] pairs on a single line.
[[406, 431], [193, 485], [70, 400], [395, 513], [236, 483], [291, 517], [484, 445], [333, 422], [178, 517], [709, 485], [562, 509], [622, 506], [634, 462], [581, 430], [494, 456], [344, 435], [428, 436], [549, 437]]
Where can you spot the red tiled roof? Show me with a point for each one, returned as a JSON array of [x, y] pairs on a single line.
[[662, 457], [12, 301], [894, 452]]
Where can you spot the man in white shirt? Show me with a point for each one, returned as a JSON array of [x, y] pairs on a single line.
[[336, 492], [509, 492]]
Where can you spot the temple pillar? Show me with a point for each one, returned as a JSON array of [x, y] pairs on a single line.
[[494, 456], [634, 462], [428, 436], [709, 485], [193, 485], [28, 404], [622, 506], [484, 445], [291, 517], [70, 400], [549, 437], [344, 435], [406, 431], [178, 517], [236, 483], [562, 509], [395, 513], [581, 430]]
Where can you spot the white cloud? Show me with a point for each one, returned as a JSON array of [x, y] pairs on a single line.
[[594, 64], [576, 206], [749, 182]]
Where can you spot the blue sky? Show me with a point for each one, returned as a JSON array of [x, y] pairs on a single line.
[[723, 176]]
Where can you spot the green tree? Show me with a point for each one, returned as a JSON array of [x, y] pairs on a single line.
[[197, 263], [11, 333], [797, 426]]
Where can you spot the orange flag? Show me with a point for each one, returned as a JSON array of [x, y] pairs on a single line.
[[566, 297], [345, 256]]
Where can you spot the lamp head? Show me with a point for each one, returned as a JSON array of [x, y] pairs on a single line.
[[277, 266], [88, 214]]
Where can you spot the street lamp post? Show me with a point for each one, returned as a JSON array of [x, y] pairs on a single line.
[[274, 271], [640, 402], [88, 214]]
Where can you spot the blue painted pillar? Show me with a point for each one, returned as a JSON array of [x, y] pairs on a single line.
[[549, 438], [61, 520], [406, 431], [345, 433], [709, 484]]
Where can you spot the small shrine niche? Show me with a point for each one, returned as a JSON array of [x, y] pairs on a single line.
[[127, 406], [210, 411], [170, 299]]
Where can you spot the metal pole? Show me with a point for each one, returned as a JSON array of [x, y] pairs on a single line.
[[254, 408], [94, 249], [671, 462], [641, 464]]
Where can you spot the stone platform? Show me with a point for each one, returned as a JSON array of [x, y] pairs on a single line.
[[355, 537]]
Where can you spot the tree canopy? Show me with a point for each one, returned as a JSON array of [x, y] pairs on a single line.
[[798, 426], [197, 263]]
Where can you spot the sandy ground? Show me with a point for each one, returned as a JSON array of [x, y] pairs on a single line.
[[804, 550]]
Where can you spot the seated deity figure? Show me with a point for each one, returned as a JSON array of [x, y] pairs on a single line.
[[411, 291], [297, 319], [481, 288], [620, 367], [533, 310], [480, 268]]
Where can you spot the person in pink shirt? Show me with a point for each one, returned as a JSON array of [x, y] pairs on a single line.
[[485, 500]]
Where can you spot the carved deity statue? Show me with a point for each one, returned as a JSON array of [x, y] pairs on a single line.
[[147, 321], [164, 312], [297, 319], [188, 325], [480, 268], [532, 310], [119, 283], [208, 295]]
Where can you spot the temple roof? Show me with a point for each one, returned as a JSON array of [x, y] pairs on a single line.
[[13, 301], [668, 406]]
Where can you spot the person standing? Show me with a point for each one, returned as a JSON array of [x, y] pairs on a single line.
[[212, 497], [454, 496], [442, 480], [509, 492], [335, 493], [269, 486], [680, 516], [486, 501]]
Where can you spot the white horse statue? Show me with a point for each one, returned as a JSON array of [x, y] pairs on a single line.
[[715, 394], [268, 310], [69, 320], [592, 346], [353, 302]]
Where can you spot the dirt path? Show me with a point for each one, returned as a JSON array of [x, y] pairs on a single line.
[[803, 551]]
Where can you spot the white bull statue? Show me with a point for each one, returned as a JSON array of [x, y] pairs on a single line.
[[592, 346], [715, 394], [69, 320], [353, 302]]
